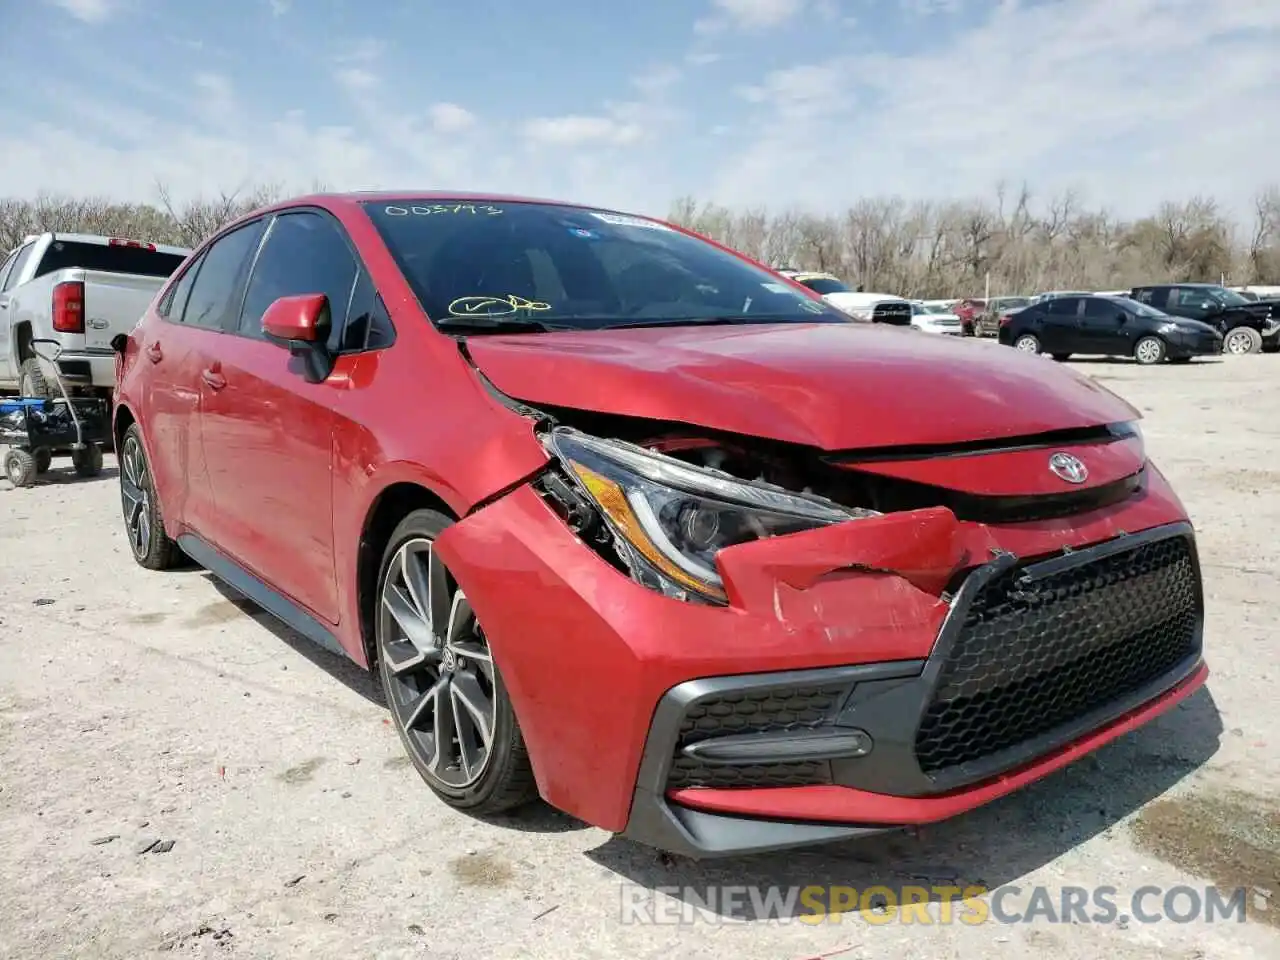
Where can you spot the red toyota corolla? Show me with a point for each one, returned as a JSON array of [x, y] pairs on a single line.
[[631, 522]]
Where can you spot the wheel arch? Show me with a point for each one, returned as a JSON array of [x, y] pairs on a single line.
[[22, 341], [122, 419], [392, 504]]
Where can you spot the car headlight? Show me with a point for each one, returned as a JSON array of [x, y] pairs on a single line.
[[671, 518], [1131, 430]]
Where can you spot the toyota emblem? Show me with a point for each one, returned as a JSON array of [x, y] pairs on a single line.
[[1068, 468]]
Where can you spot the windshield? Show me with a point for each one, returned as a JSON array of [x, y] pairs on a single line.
[[1224, 296], [543, 266], [824, 285], [1141, 309]]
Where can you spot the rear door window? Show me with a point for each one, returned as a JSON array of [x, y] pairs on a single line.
[[221, 277], [19, 264]]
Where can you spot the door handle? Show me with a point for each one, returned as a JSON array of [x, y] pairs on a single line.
[[154, 353], [213, 378]]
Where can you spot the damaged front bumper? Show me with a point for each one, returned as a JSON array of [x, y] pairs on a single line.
[[863, 676]]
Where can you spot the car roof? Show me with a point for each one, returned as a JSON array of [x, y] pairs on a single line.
[[354, 199]]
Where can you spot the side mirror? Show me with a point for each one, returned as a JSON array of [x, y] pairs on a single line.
[[119, 343], [302, 324], [1122, 317]]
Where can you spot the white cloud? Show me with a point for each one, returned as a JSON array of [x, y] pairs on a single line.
[[576, 130], [90, 11], [356, 78], [749, 14], [451, 118], [279, 7], [1132, 101]]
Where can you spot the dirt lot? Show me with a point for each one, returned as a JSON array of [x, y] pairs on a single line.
[[139, 707]]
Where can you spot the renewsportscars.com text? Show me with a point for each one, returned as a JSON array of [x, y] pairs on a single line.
[[969, 905]]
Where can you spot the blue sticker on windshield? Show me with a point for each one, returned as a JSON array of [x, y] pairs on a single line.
[[584, 234]]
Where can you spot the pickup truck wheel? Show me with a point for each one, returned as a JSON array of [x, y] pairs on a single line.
[[20, 467], [143, 523], [31, 380], [1242, 340]]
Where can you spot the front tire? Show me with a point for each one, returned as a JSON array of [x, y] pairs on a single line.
[[445, 692], [1242, 340], [143, 522], [20, 467], [1149, 351], [1027, 343]]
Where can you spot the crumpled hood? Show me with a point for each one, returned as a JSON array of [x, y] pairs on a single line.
[[828, 385]]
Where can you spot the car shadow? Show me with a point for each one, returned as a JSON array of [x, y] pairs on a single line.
[[1129, 361], [989, 847], [57, 475], [343, 670]]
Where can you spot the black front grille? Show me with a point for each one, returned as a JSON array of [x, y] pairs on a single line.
[[763, 711], [899, 313], [1033, 656]]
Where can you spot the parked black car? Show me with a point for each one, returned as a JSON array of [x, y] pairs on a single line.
[[1110, 326], [1247, 326]]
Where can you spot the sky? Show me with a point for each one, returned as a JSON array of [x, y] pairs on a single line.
[[750, 103]]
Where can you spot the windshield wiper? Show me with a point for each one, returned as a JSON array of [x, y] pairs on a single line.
[[505, 324], [703, 321]]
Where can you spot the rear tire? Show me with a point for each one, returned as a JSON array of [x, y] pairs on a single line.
[[1027, 343], [31, 380], [143, 522]]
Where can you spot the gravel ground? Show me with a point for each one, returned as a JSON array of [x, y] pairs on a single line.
[[140, 708]]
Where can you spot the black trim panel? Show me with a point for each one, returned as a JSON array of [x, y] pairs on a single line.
[[275, 603]]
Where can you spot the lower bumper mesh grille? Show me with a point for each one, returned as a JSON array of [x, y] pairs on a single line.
[[1033, 656], [754, 712]]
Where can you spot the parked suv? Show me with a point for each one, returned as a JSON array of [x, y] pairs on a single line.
[[625, 520], [1246, 326], [1109, 326]]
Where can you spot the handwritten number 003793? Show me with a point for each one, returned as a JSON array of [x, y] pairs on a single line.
[[482, 209]]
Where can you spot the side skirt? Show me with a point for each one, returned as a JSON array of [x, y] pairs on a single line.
[[276, 604]]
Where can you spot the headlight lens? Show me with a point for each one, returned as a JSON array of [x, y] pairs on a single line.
[[1131, 430], [672, 518]]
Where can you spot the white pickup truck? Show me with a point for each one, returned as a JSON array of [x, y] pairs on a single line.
[[80, 290]]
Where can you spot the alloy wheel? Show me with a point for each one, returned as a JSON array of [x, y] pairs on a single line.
[[1238, 343], [1148, 351], [1028, 344], [135, 496], [437, 666]]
